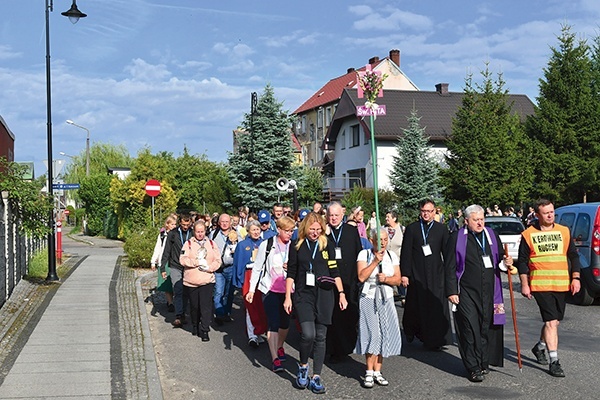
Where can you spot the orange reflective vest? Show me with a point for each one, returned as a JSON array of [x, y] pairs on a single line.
[[548, 265]]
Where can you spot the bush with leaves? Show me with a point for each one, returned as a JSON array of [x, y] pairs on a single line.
[[31, 207], [139, 245]]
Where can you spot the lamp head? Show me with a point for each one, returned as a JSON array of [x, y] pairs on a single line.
[[73, 13], [69, 122]]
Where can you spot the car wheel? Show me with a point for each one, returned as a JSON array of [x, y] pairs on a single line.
[[583, 298]]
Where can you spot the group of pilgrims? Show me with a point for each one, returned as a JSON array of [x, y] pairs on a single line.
[[340, 278]]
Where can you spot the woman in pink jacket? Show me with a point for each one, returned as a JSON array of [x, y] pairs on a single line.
[[201, 258]]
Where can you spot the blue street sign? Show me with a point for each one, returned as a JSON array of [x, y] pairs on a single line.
[[65, 186]]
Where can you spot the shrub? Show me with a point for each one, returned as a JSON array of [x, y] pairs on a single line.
[[139, 245]]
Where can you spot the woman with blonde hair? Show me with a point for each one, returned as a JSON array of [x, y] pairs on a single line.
[[312, 272], [164, 273]]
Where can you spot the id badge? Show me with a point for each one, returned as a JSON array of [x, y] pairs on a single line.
[[310, 279], [487, 262], [426, 250], [338, 253]]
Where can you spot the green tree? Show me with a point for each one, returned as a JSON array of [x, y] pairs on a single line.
[[310, 185], [487, 153], [95, 195], [202, 185], [264, 152], [31, 208], [414, 174], [564, 129], [129, 200]]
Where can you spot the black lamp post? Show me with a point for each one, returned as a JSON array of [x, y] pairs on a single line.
[[74, 14]]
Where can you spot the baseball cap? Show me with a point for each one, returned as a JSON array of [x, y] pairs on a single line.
[[303, 213], [264, 216]]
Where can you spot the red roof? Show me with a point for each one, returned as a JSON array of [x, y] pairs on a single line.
[[332, 91], [296, 144]]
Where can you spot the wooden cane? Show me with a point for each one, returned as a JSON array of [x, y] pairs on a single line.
[[514, 313]]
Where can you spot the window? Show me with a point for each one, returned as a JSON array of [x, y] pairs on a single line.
[[312, 132], [343, 141], [320, 118], [581, 233], [567, 220], [327, 116], [355, 139], [356, 177], [303, 124]]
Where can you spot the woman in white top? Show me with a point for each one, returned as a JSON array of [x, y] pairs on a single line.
[[164, 279], [268, 276], [378, 330]]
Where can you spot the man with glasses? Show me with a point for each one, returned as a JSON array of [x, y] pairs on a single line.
[[426, 311]]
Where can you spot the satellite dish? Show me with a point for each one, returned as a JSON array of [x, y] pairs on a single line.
[[282, 184]]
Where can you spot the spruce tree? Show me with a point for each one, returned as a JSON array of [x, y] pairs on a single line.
[[487, 153], [564, 128], [264, 153], [414, 174]]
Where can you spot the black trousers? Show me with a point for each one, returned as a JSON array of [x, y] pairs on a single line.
[[201, 305], [312, 340]]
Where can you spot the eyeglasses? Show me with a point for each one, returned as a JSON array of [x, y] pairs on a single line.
[[427, 211]]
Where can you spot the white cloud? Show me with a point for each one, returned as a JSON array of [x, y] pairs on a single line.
[[140, 70], [360, 10], [242, 50], [393, 19], [6, 53]]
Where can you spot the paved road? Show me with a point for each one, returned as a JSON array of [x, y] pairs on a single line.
[[226, 367]]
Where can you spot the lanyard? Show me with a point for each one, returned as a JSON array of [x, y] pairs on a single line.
[[313, 254], [284, 253], [337, 240], [181, 236], [425, 235], [482, 245], [225, 238]]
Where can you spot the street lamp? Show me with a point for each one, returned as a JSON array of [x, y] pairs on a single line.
[[87, 146], [74, 14]]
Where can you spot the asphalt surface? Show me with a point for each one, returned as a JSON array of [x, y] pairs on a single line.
[[47, 337]]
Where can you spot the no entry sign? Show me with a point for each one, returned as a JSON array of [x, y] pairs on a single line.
[[153, 188]]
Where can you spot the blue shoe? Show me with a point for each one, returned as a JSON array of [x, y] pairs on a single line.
[[302, 377], [316, 385]]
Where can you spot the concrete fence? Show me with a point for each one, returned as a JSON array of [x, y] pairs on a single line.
[[16, 251]]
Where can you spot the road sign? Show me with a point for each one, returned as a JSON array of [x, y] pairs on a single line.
[[65, 186], [153, 188]]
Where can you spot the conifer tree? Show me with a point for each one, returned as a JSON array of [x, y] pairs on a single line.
[[264, 153], [487, 153], [564, 129], [414, 174]]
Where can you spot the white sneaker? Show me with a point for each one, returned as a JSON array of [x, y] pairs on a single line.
[[368, 382]]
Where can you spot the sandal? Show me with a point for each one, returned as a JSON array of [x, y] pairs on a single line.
[[368, 383], [381, 380]]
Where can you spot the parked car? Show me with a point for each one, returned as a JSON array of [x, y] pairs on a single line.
[[509, 229], [583, 220]]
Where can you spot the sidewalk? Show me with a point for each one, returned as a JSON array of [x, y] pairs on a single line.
[[85, 337]]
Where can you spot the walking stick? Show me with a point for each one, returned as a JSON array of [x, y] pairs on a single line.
[[514, 314]]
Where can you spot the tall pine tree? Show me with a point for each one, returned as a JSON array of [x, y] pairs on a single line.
[[564, 128], [414, 174], [264, 153], [487, 153]]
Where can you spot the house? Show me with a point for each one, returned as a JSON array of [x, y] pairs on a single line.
[[7, 141], [314, 116], [349, 135]]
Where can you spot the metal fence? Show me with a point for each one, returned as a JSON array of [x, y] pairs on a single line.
[[16, 251]]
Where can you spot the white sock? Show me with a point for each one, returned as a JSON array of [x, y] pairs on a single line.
[[377, 373], [369, 372], [553, 355]]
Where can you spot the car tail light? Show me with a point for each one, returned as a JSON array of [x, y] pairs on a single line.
[[596, 272], [596, 234]]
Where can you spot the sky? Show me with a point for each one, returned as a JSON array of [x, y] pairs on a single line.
[[165, 74]]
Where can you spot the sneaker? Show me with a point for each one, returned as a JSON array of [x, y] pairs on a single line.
[[368, 382], [316, 385], [540, 355], [476, 377], [281, 354], [302, 377], [381, 381], [253, 342], [277, 367], [556, 370]]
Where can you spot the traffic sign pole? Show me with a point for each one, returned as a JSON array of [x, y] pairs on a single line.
[[153, 188]]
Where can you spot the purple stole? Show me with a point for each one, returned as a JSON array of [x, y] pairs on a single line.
[[461, 253]]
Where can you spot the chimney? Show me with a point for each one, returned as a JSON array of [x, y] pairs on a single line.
[[349, 70], [373, 60], [395, 57], [441, 88]]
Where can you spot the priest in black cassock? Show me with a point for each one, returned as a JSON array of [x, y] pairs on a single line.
[[474, 259], [343, 331], [426, 311]]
